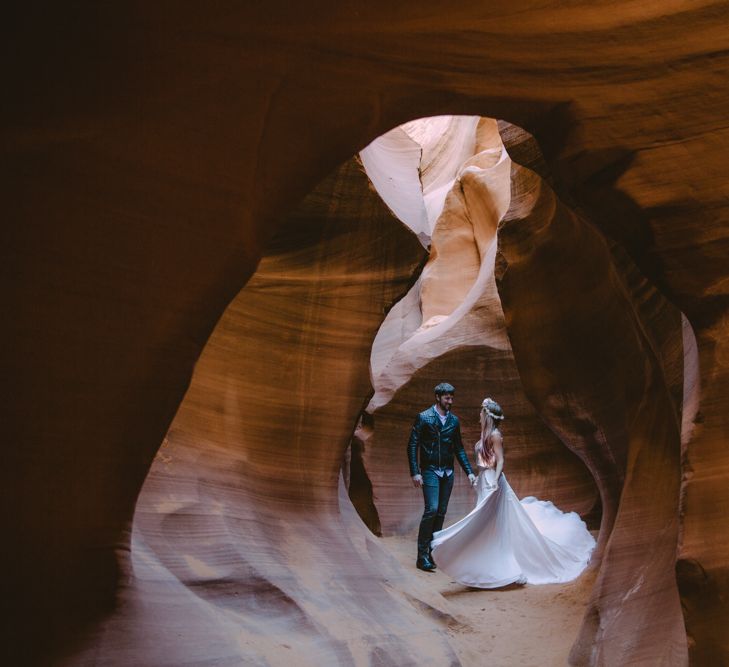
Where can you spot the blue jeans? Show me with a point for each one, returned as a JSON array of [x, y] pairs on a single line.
[[436, 493]]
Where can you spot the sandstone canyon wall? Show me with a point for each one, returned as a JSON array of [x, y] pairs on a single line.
[[151, 154], [451, 325], [603, 365]]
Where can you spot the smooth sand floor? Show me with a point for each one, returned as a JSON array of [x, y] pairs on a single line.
[[524, 626]]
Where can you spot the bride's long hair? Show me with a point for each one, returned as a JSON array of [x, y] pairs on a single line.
[[490, 413]]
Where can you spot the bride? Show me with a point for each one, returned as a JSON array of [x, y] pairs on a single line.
[[504, 540]]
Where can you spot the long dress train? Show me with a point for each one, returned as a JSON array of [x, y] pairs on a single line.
[[504, 540]]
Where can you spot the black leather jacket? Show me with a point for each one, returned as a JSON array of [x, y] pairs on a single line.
[[435, 443]]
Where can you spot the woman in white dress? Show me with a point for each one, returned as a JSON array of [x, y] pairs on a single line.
[[504, 540]]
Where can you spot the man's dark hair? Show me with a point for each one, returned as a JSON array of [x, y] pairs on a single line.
[[444, 388]]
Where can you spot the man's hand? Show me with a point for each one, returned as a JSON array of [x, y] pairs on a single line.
[[472, 479], [417, 481]]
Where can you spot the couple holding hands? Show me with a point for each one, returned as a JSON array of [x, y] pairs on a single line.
[[503, 540]]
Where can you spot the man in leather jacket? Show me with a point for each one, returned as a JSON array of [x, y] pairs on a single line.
[[434, 440]]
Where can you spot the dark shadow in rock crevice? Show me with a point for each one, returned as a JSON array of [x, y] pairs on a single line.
[[360, 485]]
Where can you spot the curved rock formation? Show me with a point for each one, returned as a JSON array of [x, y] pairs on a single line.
[[604, 367], [450, 325], [149, 156], [240, 521]]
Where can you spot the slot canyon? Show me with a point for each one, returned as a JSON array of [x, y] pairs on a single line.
[[242, 245]]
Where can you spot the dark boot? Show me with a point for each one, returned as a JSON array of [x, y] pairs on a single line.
[[425, 535], [424, 563]]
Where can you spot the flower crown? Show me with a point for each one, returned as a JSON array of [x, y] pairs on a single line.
[[485, 407]]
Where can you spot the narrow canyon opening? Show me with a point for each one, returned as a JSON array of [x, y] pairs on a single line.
[[448, 180], [436, 254], [209, 287]]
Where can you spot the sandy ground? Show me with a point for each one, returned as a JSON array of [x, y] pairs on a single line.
[[517, 626]]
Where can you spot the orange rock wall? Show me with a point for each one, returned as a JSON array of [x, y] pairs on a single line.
[[151, 151], [239, 521], [613, 391]]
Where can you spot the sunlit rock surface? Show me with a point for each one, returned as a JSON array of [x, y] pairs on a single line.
[[150, 154], [450, 326]]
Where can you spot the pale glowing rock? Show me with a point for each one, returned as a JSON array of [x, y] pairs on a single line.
[[447, 142], [392, 163], [462, 338], [691, 383], [458, 277]]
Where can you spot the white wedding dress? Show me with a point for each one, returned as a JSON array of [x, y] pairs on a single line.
[[504, 540]]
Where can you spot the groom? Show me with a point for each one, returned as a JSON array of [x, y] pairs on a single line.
[[435, 438]]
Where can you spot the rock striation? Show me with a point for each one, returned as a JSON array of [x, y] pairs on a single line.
[[603, 366], [451, 326], [242, 521], [149, 158]]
